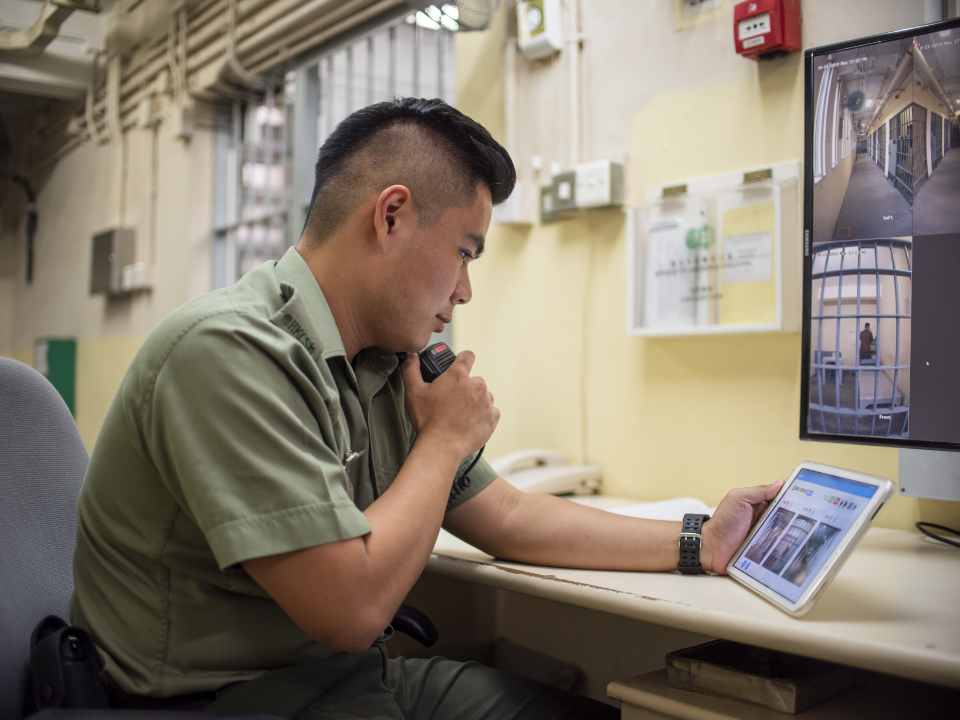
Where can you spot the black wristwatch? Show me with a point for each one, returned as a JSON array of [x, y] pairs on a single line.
[[691, 541]]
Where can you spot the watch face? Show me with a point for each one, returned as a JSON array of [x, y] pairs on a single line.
[[533, 19]]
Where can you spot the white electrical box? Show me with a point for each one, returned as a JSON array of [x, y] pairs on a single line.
[[563, 197], [135, 276], [589, 186], [599, 184], [510, 211], [539, 28]]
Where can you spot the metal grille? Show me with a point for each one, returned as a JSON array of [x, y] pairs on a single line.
[[404, 59], [251, 212], [901, 129], [936, 140], [266, 145], [853, 283], [882, 148], [918, 148]]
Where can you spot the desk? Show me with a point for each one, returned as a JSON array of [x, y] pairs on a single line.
[[892, 608]]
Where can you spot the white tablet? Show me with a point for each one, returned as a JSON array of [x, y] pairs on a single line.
[[807, 533]]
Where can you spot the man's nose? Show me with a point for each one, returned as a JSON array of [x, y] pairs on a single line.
[[462, 292]]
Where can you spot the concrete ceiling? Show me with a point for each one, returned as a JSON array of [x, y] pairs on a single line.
[[873, 74], [62, 70]]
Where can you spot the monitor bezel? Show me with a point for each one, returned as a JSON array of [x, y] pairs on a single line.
[[806, 331]]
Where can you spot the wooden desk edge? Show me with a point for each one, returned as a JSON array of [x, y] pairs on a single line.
[[852, 651]]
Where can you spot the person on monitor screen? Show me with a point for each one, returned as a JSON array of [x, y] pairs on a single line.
[[866, 343], [270, 480]]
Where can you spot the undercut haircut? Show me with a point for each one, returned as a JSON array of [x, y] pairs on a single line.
[[437, 152]]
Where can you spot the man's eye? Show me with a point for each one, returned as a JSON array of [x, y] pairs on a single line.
[[465, 256]]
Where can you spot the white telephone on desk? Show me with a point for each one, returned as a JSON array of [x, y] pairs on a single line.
[[548, 472]]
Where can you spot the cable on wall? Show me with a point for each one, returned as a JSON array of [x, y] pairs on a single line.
[[92, 129], [172, 58], [585, 351]]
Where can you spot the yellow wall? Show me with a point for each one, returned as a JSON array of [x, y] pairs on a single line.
[[829, 193], [101, 364], [663, 417]]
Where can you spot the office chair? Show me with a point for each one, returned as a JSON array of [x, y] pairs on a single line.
[[42, 464]]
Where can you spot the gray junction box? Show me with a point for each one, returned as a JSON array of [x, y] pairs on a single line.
[[113, 250]]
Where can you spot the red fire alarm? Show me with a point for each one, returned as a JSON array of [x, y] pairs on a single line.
[[766, 29]]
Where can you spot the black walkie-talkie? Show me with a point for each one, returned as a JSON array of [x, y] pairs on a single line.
[[434, 361]]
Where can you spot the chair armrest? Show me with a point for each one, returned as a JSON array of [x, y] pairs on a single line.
[[414, 623]]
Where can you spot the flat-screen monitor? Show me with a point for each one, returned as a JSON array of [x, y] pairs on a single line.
[[881, 270]]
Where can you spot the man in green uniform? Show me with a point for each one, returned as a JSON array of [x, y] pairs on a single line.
[[270, 479]]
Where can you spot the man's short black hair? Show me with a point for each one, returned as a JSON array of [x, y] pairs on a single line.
[[867, 325], [436, 151]]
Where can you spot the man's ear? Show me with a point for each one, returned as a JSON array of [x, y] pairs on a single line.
[[395, 216]]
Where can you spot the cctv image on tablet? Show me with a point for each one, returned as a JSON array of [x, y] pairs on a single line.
[[802, 530], [882, 240]]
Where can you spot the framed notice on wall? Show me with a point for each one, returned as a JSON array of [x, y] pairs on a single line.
[[717, 255]]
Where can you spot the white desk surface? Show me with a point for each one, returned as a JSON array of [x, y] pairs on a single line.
[[893, 608]]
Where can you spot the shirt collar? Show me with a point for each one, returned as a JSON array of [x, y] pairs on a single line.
[[293, 269]]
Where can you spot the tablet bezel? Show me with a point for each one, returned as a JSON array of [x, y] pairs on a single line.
[[838, 556]]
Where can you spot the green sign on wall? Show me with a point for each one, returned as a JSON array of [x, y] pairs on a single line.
[[56, 360]]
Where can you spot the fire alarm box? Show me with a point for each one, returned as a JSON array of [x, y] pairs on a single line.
[[766, 29], [539, 28]]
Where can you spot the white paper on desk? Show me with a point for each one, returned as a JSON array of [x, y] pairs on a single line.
[[673, 509]]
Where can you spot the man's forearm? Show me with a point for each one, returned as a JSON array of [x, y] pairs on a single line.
[[406, 519], [547, 530]]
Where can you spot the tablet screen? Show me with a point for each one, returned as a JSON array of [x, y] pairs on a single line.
[[798, 535]]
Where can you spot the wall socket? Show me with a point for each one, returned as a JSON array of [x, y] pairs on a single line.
[[590, 185]]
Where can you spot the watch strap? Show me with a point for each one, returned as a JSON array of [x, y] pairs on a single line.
[[691, 540]]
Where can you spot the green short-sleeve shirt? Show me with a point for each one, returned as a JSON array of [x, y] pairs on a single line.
[[226, 441]]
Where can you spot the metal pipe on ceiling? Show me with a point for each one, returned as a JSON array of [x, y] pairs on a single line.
[[36, 37], [320, 32], [266, 34], [906, 65], [931, 80]]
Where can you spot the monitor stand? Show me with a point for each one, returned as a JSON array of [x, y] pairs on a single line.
[[932, 474]]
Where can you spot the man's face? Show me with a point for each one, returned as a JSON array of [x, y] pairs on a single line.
[[430, 276]]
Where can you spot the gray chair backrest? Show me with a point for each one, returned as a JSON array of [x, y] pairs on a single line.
[[42, 462]]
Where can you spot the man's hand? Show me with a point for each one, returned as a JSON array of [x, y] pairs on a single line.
[[735, 515], [455, 410]]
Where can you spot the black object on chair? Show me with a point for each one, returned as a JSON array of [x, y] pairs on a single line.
[[42, 464], [414, 623]]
